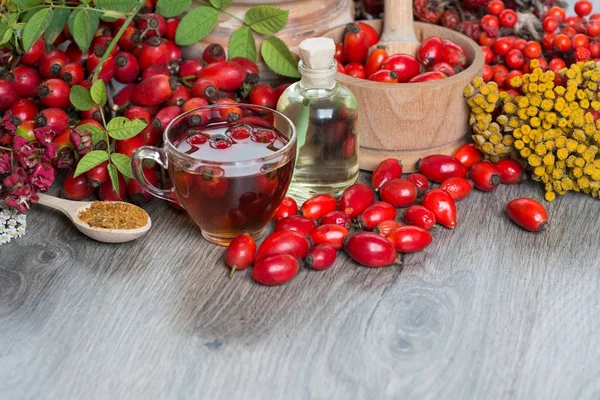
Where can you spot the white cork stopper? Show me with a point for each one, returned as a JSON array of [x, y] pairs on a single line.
[[317, 53]]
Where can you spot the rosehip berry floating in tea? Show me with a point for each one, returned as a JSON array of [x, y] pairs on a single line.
[[528, 214]]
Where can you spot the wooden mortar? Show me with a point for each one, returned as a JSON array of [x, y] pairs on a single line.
[[410, 120]]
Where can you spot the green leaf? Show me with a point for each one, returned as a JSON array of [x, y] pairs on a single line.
[[114, 179], [94, 18], [278, 57], [172, 8], [220, 4], [27, 3], [94, 131], [195, 25], [116, 5], [81, 98], [83, 31], [266, 19], [123, 164], [6, 36], [98, 92], [36, 26], [242, 44], [121, 128], [59, 20], [90, 160]]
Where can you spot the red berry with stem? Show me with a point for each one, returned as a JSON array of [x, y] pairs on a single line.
[[180, 95], [375, 213], [420, 216], [127, 68], [189, 68], [331, 234], [293, 243], [286, 208], [107, 71], [151, 25], [458, 188], [375, 60], [514, 59], [72, 73], [173, 53], [431, 51], [399, 192], [490, 24], [275, 270], [372, 35], [384, 75], [157, 69], [550, 24], [154, 90], [51, 62], [23, 110], [54, 118], [263, 95], [159, 123], [76, 188], [214, 52], [54, 93], [154, 52], [439, 167], [98, 175], [385, 227], [172, 24], [557, 12], [130, 39], [355, 44], [318, 205], [198, 117], [419, 180], [8, 94], [583, 8], [454, 54], [25, 129], [230, 112], [34, 53], [528, 214], [298, 223], [508, 18], [227, 75], [485, 176], [405, 66], [356, 70], [337, 217], [249, 67], [442, 206], [205, 88], [468, 155], [240, 252], [388, 169], [128, 146], [495, 7], [320, 257], [510, 171], [25, 80], [371, 250], [410, 239], [562, 42]]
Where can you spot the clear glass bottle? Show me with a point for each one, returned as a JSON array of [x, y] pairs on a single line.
[[325, 114]]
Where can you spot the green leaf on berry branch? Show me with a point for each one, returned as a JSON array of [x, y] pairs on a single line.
[[95, 132], [279, 58], [195, 25], [172, 8], [266, 19], [114, 178], [121, 128], [220, 4], [84, 26], [81, 98], [27, 3], [98, 92], [6, 36], [116, 5], [59, 20], [123, 164], [90, 160], [242, 44], [36, 26]]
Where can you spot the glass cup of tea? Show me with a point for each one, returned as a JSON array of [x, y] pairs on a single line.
[[229, 165]]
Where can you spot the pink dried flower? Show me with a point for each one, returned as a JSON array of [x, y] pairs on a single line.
[[5, 163], [44, 135], [7, 125], [42, 178], [21, 198], [66, 158], [82, 141]]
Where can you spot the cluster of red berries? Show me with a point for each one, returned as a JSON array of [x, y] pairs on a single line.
[[146, 79], [436, 58], [327, 225], [566, 40]]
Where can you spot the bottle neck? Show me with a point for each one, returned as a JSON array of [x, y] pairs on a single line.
[[317, 78]]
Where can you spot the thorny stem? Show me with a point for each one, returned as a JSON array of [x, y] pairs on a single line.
[[114, 41]]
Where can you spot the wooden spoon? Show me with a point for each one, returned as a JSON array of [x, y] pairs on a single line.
[[398, 34], [72, 209]]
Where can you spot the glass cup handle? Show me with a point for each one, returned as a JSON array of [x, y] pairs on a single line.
[[158, 155]]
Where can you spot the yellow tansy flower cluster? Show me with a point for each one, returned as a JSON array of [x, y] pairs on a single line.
[[554, 130]]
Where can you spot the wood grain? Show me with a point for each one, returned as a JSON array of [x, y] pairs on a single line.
[[489, 311], [408, 121]]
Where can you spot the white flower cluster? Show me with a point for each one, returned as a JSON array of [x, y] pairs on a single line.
[[12, 224]]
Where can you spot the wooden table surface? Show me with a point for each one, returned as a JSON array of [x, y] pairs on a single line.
[[488, 311]]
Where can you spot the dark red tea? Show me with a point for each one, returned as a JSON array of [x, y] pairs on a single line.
[[228, 199]]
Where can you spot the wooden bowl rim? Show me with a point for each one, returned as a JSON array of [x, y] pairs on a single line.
[[471, 71]]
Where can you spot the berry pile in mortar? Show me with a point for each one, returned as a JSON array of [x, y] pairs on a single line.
[[436, 58], [375, 223], [145, 79]]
